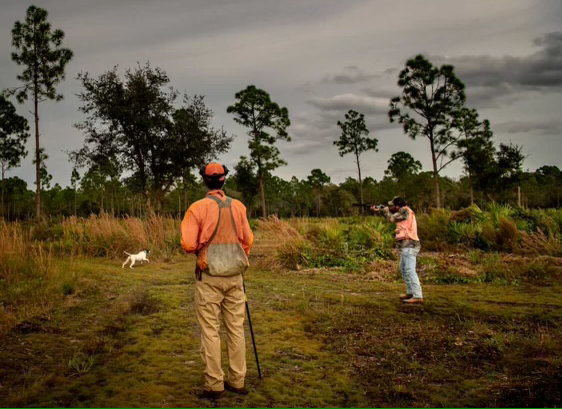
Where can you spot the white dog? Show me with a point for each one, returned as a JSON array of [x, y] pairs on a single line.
[[136, 257]]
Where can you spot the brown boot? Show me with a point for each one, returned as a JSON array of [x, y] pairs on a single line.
[[209, 394], [405, 296], [239, 391], [413, 301]]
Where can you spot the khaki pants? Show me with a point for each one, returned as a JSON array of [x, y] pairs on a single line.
[[215, 295]]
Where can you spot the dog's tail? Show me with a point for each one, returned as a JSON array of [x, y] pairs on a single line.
[[129, 254]]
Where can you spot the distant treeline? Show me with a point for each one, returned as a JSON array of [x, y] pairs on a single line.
[[308, 197]]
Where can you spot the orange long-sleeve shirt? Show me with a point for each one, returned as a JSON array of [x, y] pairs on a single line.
[[200, 222]]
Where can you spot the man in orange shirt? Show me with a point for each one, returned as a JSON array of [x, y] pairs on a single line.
[[216, 229]]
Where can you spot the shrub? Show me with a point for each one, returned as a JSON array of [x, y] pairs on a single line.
[[347, 243], [81, 363], [144, 303], [540, 244], [68, 289], [433, 229], [507, 236]]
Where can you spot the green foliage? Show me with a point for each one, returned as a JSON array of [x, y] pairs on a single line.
[[38, 49], [255, 110], [354, 139], [401, 166], [68, 289], [433, 229], [510, 161], [476, 149], [501, 228], [245, 180], [318, 179], [431, 101], [44, 176], [14, 133], [132, 125], [350, 243], [81, 363], [143, 302]]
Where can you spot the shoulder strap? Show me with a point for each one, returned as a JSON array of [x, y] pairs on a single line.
[[221, 203]]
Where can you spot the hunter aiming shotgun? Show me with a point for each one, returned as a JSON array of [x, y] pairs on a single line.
[[368, 205]]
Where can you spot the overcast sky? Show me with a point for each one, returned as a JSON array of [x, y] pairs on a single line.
[[318, 58]]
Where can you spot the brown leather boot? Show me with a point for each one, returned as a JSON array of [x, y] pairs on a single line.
[[405, 296], [208, 394], [413, 301], [239, 391]]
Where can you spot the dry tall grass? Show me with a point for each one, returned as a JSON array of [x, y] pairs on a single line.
[[540, 244], [107, 236], [26, 272], [32, 282]]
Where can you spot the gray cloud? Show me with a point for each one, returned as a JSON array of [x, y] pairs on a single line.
[[345, 102], [495, 81], [317, 131], [350, 75], [545, 126], [542, 69]]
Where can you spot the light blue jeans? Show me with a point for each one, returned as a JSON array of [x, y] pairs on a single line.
[[408, 269]]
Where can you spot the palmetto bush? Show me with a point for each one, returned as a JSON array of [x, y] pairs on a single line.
[[500, 228], [349, 243]]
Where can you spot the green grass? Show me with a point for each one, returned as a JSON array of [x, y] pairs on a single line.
[[130, 338]]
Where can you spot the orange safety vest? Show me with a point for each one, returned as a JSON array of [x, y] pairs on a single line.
[[223, 256], [407, 229]]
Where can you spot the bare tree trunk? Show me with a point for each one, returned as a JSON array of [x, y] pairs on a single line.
[[262, 192], [260, 177], [185, 199], [519, 196], [37, 154], [3, 171], [471, 188], [360, 183], [435, 174]]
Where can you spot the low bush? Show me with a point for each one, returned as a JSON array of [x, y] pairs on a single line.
[[501, 228], [142, 302], [347, 243]]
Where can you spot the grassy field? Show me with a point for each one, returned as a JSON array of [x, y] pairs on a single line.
[[325, 337]]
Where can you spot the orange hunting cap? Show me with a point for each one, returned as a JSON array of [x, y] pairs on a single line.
[[214, 169]]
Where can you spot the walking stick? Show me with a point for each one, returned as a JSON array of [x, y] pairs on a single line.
[[252, 332]]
